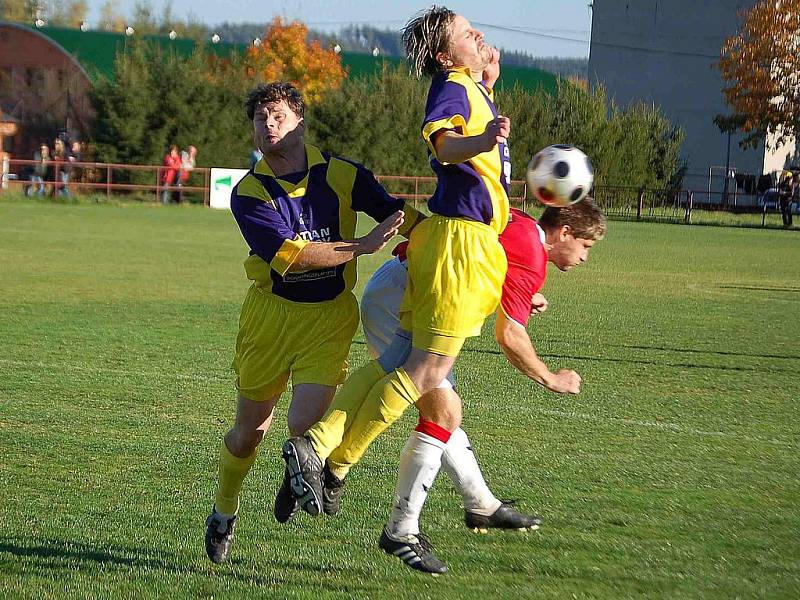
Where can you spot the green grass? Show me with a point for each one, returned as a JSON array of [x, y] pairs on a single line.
[[674, 474]]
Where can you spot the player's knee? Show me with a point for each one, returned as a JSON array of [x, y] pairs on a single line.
[[243, 441], [444, 417], [453, 421], [441, 406]]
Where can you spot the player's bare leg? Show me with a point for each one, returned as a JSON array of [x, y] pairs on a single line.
[[237, 454]]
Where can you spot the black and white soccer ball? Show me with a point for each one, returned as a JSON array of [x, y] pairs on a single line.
[[560, 175]]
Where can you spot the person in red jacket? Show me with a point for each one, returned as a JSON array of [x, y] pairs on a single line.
[[172, 164]]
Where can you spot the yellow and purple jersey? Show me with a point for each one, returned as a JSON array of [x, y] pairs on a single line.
[[476, 189], [279, 216]]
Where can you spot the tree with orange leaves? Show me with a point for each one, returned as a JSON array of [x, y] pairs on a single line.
[[761, 64], [285, 53]]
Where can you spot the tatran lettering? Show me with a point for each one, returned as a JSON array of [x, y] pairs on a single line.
[[316, 235]]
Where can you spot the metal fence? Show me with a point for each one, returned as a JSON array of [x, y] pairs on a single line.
[[670, 206], [102, 178]]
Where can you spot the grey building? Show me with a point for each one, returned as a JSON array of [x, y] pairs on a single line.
[[665, 53]]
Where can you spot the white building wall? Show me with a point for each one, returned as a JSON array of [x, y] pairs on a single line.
[[665, 53], [778, 159]]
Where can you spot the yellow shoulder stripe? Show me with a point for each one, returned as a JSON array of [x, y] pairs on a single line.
[[251, 186], [456, 121], [341, 177]]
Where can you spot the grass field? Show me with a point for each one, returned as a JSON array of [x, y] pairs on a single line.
[[674, 474]]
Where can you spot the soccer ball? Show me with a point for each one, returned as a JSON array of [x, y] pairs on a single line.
[[559, 175]]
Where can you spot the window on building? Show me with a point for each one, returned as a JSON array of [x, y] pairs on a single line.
[[35, 80], [6, 81]]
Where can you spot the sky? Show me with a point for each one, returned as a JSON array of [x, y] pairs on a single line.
[[541, 22]]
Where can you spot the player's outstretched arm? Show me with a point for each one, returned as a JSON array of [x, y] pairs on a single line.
[[452, 147], [320, 255], [518, 348]]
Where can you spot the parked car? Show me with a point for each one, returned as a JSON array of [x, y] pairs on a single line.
[[770, 199]]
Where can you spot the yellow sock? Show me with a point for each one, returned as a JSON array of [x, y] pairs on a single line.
[[327, 434], [232, 471], [387, 401]]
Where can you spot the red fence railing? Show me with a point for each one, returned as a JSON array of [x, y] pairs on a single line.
[[676, 206], [100, 177]]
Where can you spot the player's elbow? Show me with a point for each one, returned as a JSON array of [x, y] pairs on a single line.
[[505, 339]]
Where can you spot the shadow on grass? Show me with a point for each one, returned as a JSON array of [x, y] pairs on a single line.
[[657, 363], [72, 556], [709, 352], [657, 349]]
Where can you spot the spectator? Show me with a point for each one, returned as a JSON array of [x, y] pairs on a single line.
[[255, 156], [172, 164], [76, 156], [188, 157], [61, 158], [39, 171], [786, 190]]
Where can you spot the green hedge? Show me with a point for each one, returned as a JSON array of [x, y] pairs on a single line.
[[158, 98]]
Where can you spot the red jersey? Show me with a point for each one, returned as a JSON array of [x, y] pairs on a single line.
[[523, 242], [173, 165]]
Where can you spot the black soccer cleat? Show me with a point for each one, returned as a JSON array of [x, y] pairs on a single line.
[[286, 505], [505, 517], [305, 473], [332, 489], [414, 550], [219, 542]]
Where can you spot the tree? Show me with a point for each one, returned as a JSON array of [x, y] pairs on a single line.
[[285, 53], [144, 19], [68, 13], [159, 97], [377, 120], [110, 19], [761, 64], [23, 11]]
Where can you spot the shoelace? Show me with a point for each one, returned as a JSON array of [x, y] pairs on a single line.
[[424, 542], [510, 502]]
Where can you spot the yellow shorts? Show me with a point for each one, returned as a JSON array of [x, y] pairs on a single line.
[[278, 337], [456, 269]]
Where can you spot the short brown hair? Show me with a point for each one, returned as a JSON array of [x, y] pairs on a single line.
[[425, 36], [275, 92], [584, 218]]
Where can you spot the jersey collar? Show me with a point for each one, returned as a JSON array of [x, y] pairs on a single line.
[[294, 190], [313, 156]]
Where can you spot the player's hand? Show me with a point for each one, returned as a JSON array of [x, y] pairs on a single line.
[[496, 132], [381, 234], [492, 71], [539, 304], [564, 381]]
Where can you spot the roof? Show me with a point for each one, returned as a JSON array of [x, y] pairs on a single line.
[[96, 50]]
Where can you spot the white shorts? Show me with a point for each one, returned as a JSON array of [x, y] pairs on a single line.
[[380, 308]]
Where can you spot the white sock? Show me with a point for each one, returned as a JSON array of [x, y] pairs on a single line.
[[419, 464], [460, 464]]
